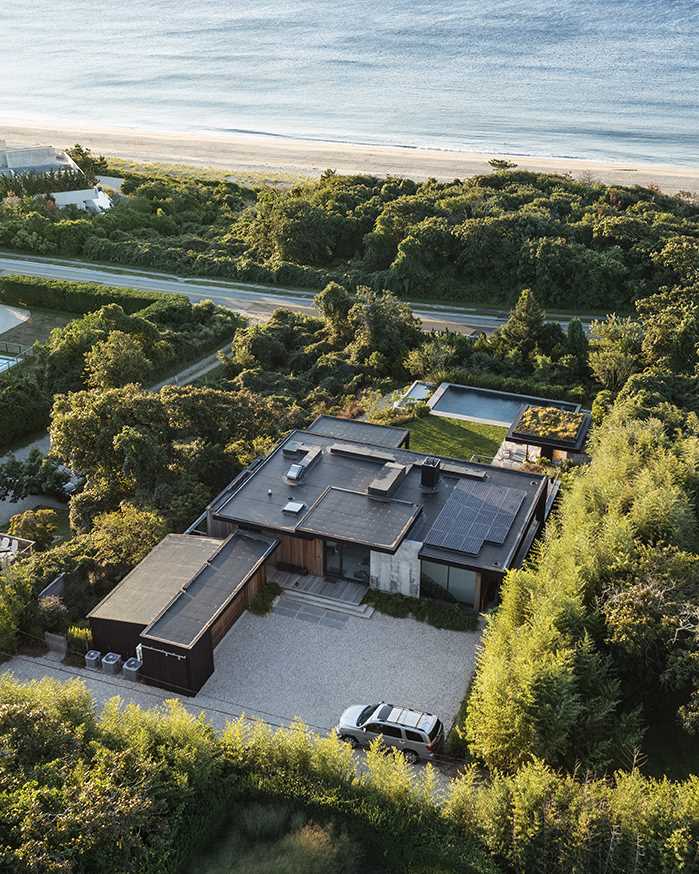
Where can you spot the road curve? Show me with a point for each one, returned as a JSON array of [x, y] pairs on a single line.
[[257, 302]]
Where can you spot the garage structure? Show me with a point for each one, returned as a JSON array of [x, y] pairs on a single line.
[[174, 607]]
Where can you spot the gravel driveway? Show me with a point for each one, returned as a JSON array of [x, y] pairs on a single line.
[[312, 666]]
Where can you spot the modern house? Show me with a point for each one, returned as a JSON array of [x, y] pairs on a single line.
[[342, 501], [36, 160], [346, 507]]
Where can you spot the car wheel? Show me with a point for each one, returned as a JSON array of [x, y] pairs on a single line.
[[411, 757], [348, 739]]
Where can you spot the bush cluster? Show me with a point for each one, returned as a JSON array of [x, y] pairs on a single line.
[[579, 245], [106, 347]]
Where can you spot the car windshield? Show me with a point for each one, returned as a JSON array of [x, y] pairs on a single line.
[[366, 713], [434, 731]]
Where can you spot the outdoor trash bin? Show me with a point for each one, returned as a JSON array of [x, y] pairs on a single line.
[[111, 663], [93, 657]]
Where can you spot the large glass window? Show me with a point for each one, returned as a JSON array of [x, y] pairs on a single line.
[[348, 560], [462, 585], [451, 583]]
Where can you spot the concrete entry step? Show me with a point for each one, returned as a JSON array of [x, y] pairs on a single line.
[[362, 611]]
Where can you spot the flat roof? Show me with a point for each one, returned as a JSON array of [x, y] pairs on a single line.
[[352, 466], [356, 430], [151, 585], [340, 514], [194, 607]]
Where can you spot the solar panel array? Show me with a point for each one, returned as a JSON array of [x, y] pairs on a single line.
[[475, 512]]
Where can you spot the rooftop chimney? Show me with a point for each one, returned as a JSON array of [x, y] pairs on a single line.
[[429, 478]]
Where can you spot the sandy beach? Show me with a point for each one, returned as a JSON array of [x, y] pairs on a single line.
[[279, 157]]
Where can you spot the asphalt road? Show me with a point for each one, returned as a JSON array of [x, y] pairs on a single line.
[[257, 302]]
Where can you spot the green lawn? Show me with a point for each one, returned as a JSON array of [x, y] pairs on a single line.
[[454, 437]]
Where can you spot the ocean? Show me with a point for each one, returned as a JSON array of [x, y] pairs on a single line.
[[599, 79]]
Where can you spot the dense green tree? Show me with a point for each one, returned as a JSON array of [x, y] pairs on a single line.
[[615, 351], [670, 321], [523, 331], [334, 303], [381, 325], [117, 360], [578, 348], [40, 526]]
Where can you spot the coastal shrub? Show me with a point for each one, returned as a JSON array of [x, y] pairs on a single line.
[[590, 634], [263, 600], [53, 615], [75, 297], [177, 789], [577, 245]]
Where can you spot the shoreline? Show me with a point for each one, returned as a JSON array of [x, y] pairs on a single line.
[[277, 156]]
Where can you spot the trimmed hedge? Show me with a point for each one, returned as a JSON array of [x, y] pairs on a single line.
[[76, 297]]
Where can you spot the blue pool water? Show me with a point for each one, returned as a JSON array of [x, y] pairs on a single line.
[[6, 362], [482, 405]]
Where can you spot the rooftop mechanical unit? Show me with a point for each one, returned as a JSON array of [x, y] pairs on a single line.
[[93, 658], [293, 507], [389, 478], [111, 663], [132, 669], [298, 469]]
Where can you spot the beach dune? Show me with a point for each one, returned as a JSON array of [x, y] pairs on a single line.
[[280, 157]]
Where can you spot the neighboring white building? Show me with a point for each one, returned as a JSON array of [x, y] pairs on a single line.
[[12, 548], [92, 200], [34, 159]]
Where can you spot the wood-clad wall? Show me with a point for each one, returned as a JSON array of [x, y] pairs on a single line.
[[237, 606], [300, 553]]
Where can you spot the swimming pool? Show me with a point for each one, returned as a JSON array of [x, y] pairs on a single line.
[[486, 405], [6, 361], [418, 391]]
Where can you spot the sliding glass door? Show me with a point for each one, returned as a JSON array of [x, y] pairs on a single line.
[[347, 560]]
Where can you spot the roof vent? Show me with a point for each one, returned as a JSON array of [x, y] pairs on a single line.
[[312, 454], [293, 507]]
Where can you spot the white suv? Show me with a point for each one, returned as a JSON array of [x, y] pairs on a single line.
[[417, 734]]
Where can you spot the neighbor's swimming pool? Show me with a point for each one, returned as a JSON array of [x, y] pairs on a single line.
[[486, 405], [6, 361]]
